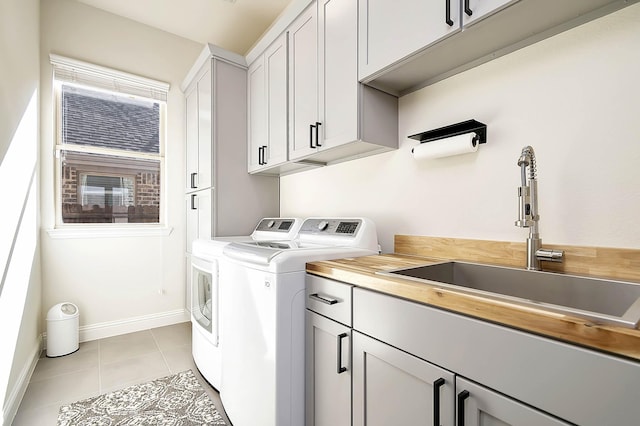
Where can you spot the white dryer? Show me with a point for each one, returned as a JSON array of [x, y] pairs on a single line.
[[207, 307], [263, 375]]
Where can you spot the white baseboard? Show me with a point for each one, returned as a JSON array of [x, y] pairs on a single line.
[[16, 394], [129, 325]]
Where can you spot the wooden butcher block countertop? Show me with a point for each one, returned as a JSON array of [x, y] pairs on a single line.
[[361, 272]]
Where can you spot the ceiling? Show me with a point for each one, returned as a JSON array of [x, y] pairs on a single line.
[[234, 25]]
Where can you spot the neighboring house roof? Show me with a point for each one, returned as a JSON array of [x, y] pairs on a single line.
[[106, 120]]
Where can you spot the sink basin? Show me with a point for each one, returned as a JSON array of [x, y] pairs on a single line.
[[598, 300]]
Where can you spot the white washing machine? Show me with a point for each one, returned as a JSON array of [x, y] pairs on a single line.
[[207, 307], [263, 375]]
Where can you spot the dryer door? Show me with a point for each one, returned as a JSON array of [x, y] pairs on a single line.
[[204, 296]]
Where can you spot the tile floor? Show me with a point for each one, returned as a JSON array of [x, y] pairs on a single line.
[[106, 365]]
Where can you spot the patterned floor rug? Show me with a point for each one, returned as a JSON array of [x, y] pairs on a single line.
[[176, 400]]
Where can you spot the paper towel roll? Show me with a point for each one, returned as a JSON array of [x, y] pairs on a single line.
[[455, 145]]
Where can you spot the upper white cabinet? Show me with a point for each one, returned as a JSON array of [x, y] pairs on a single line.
[[391, 30], [258, 116], [221, 198], [198, 128], [267, 91], [303, 84], [406, 45], [356, 120], [331, 116]]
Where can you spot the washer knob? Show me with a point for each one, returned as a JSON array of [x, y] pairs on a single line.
[[323, 225], [271, 223]]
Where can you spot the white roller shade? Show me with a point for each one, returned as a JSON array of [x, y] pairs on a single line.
[[74, 71]]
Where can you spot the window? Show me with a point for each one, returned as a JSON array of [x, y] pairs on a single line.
[[109, 149]]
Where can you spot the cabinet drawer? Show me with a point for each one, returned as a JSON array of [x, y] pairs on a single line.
[[329, 298]]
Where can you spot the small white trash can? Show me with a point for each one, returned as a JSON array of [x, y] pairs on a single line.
[[62, 329]]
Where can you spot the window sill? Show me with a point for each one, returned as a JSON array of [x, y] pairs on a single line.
[[89, 231]]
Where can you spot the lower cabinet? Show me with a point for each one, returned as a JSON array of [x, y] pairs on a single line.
[[479, 406], [328, 372], [392, 387], [376, 360]]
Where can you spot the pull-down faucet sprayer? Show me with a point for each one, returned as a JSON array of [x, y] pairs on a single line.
[[528, 216]]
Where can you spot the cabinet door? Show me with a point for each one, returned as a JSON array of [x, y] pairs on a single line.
[[275, 62], [204, 129], [338, 72], [204, 205], [199, 208], [303, 84], [268, 107], [475, 10], [256, 79], [191, 229], [390, 30], [328, 371], [391, 387], [479, 406], [191, 154]]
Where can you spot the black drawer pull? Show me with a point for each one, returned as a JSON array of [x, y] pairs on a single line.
[[461, 398], [341, 369], [193, 202], [467, 9], [436, 401], [193, 180], [324, 300]]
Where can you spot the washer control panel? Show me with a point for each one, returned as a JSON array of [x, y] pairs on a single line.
[[346, 227], [275, 225]]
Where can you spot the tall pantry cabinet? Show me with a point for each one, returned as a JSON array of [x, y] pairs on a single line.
[[221, 198]]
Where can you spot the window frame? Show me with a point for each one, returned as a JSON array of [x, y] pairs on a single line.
[[158, 96]]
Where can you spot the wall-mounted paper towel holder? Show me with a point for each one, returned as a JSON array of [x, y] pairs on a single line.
[[469, 126]]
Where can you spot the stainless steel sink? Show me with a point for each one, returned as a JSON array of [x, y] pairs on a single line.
[[598, 300]]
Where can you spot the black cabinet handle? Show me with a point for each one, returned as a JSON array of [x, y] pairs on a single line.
[[262, 155], [311, 127], [467, 9], [193, 180], [341, 369], [193, 201], [436, 401], [318, 124], [448, 13], [324, 300], [461, 398]]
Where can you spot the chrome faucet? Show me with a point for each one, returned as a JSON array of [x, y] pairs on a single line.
[[528, 216]]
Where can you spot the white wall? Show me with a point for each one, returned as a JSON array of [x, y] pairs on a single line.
[[19, 252], [573, 97], [113, 280]]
